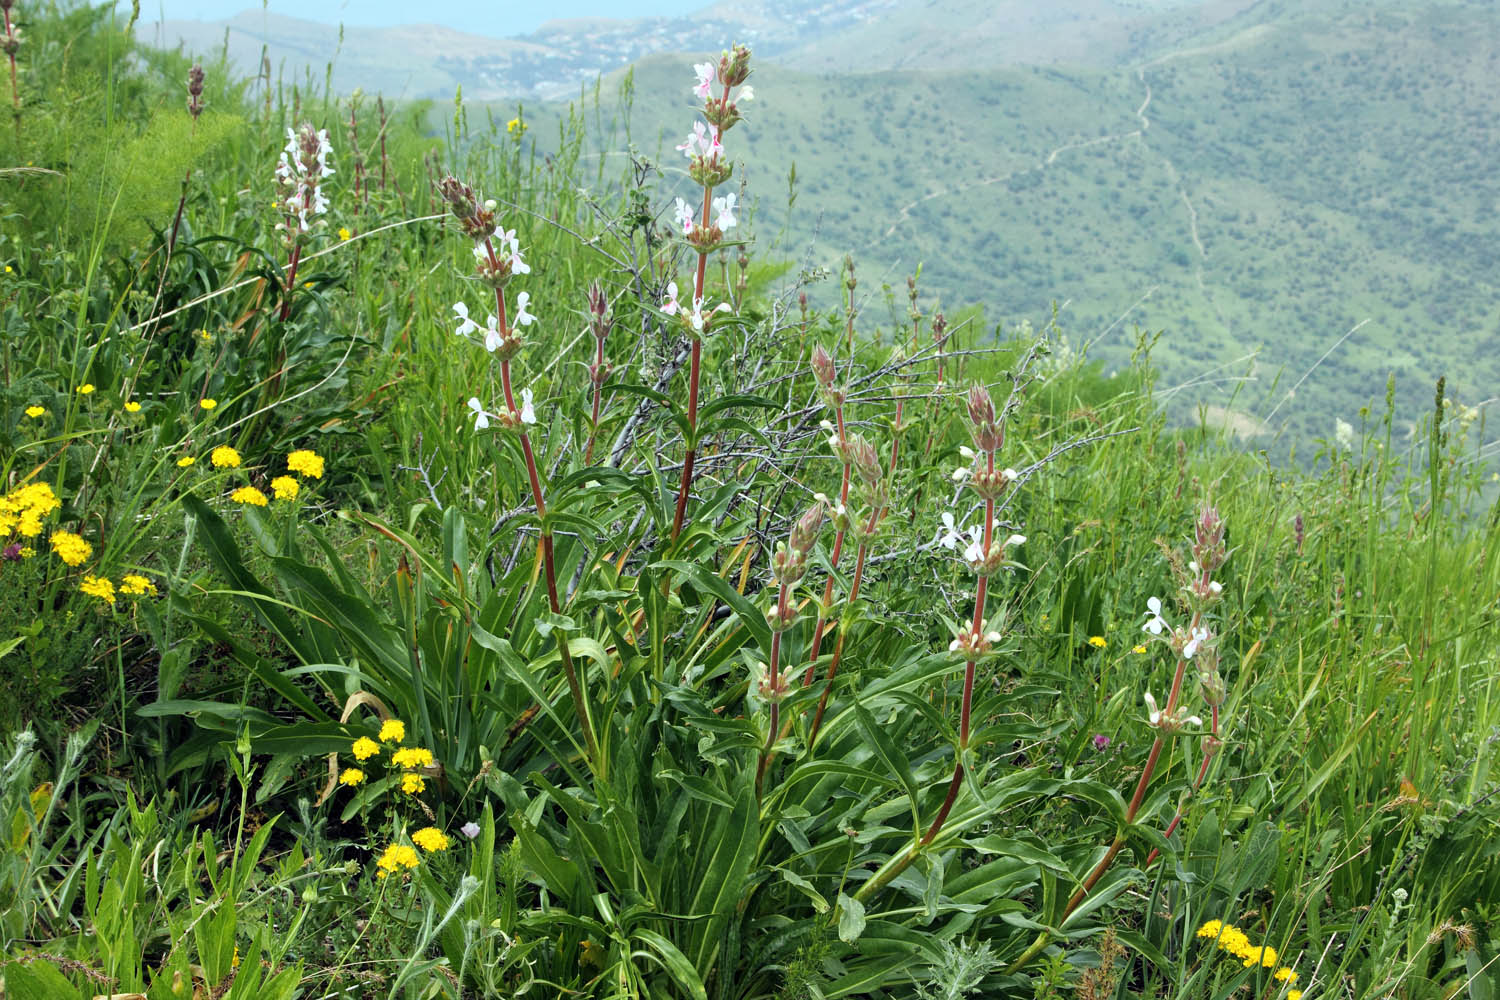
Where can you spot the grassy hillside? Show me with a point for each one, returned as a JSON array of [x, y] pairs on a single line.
[[1258, 193]]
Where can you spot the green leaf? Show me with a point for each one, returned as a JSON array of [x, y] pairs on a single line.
[[893, 758], [851, 918], [674, 961]]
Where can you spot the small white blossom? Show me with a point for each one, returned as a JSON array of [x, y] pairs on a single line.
[[684, 214], [961, 473], [966, 452], [469, 829], [1199, 637], [481, 419], [671, 306], [523, 318], [724, 212], [1015, 540], [706, 74], [528, 413], [1155, 623], [747, 93], [698, 319], [466, 325]]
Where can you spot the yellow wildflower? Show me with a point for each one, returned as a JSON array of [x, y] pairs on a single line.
[[1293, 995], [86, 388], [27, 552], [249, 496], [207, 404], [352, 776], [71, 548], [392, 731], [185, 461], [1265, 955], [134, 585], [98, 586], [225, 457], [304, 462], [132, 407], [365, 748], [1139, 648], [412, 758], [22, 509], [430, 839], [344, 234], [412, 783], [515, 126], [396, 857], [285, 488], [1211, 929], [1096, 641], [34, 412], [1285, 975]]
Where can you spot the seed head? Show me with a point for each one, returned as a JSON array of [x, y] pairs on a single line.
[[195, 90]]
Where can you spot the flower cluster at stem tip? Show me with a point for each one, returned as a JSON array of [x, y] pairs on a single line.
[[1236, 942]]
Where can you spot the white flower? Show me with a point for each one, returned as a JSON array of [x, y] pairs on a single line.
[[724, 212], [466, 325], [671, 306], [698, 319], [951, 534], [1343, 433], [469, 829], [974, 553], [966, 452], [1155, 623], [523, 318], [528, 414], [1015, 540], [492, 338], [961, 473], [704, 141], [684, 214], [705, 73], [1154, 715], [1198, 638], [992, 637], [747, 93], [1011, 475], [481, 419], [1215, 586]]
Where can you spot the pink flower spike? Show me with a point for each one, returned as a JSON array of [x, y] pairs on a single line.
[[671, 306], [705, 73]]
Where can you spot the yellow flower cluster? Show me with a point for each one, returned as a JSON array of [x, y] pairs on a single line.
[[352, 776], [98, 586], [22, 510], [135, 585], [224, 457], [1234, 941], [71, 548], [365, 748], [285, 488], [392, 731], [395, 858], [411, 758], [430, 839], [132, 407], [250, 496], [35, 412], [305, 463], [1097, 641]]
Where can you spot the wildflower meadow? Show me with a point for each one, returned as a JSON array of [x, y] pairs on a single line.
[[434, 563]]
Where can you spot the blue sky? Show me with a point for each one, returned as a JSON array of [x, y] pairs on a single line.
[[496, 19]]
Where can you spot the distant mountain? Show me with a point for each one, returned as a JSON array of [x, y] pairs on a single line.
[[556, 61], [1291, 173]]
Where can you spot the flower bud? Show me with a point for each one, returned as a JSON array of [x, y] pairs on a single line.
[[805, 531], [866, 462], [195, 90]]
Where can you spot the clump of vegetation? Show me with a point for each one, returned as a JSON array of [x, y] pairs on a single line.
[[660, 635]]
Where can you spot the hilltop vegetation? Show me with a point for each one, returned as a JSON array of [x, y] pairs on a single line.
[[434, 569]]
